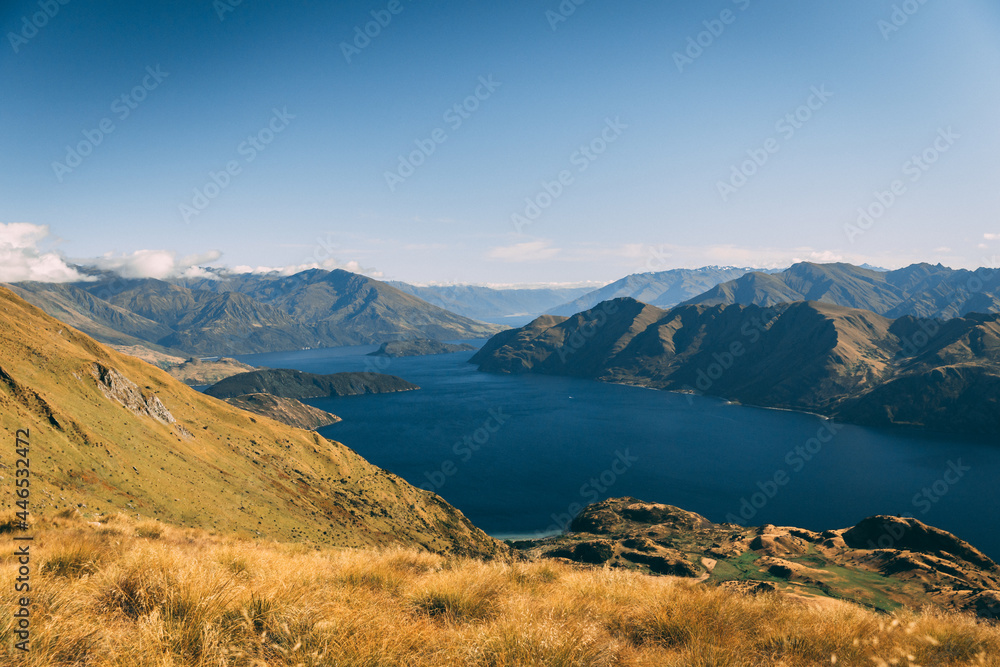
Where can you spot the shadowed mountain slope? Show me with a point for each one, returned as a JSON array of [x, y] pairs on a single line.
[[806, 355]]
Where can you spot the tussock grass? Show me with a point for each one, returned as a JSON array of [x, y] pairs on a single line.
[[146, 594]]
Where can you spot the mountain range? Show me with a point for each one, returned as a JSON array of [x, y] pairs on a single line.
[[230, 314], [662, 288], [921, 290], [501, 306], [245, 314], [844, 362], [111, 436]]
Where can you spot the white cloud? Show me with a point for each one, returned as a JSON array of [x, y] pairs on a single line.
[[20, 258], [530, 251], [292, 269], [159, 264], [991, 237]]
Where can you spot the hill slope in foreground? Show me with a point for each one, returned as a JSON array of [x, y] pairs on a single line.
[[147, 595], [113, 433]]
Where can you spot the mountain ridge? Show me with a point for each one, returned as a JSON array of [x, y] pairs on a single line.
[[229, 315], [663, 289], [922, 290], [812, 356]]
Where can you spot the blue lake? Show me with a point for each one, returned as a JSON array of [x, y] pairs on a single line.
[[520, 454]]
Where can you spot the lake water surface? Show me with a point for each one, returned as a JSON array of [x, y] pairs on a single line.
[[520, 454]]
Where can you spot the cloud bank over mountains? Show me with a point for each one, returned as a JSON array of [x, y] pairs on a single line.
[[22, 258]]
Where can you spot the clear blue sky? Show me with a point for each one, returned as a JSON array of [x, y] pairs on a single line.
[[651, 200]]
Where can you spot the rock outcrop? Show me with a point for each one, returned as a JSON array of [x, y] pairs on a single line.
[[882, 562], [117, 387]]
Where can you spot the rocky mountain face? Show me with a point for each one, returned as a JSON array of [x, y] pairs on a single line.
[[883, 562], [919, 290], [288, 383], [246, 314], [109, 433], [842, 362]]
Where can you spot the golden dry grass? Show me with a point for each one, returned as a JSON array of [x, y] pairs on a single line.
[[139, 593]]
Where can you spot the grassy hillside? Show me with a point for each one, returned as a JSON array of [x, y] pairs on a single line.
[[110, 432], [141, 594]]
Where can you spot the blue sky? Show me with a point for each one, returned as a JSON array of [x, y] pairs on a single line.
[[309, 134]]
